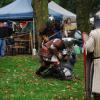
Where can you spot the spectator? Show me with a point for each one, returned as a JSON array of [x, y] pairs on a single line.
[[68, 27], [5, 32], [2, 42]]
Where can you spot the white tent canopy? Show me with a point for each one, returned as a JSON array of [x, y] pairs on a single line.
[[17, 10], [66, 14], [23, 10]]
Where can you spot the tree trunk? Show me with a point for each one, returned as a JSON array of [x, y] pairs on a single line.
[[41, 11], [41, 16]]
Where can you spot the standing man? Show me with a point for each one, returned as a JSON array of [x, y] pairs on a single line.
[[5, 31], [92, 44], [2, 41], [68, 27]]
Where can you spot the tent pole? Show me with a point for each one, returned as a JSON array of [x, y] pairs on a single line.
[[13, 26], [34, 46]]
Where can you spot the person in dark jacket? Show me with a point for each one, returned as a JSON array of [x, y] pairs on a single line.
[[5, 32]]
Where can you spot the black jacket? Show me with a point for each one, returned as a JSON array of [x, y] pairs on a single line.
[[5, 32]]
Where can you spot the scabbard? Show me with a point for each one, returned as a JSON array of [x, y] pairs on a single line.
[[87, 70]]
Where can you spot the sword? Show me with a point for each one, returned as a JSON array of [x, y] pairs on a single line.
[[87, 70]]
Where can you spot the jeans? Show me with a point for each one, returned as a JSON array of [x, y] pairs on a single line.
[[2, 47]]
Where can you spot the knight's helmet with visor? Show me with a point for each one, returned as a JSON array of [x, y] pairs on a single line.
[[97, 20]]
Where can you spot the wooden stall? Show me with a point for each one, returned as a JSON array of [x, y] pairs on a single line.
[[21, 44]]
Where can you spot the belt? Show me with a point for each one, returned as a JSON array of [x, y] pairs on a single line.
[[96, 57]]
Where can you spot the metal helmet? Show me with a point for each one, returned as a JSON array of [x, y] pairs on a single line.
[[97, 20]]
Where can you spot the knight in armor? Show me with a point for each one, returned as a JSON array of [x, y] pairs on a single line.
[[48, 54], [57, 59], [56, 53], [93, 45]]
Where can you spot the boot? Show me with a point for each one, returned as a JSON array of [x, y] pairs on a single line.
[[40, 70], [48, 73]]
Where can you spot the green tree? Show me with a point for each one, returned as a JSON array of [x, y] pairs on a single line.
[[5, 2], [68, 4], [57, 1], [95, 6], [83, 14]]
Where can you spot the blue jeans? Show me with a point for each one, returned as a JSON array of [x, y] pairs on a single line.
[[2, 47]]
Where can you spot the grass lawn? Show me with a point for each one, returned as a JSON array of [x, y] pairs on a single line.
[[19, 82]]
